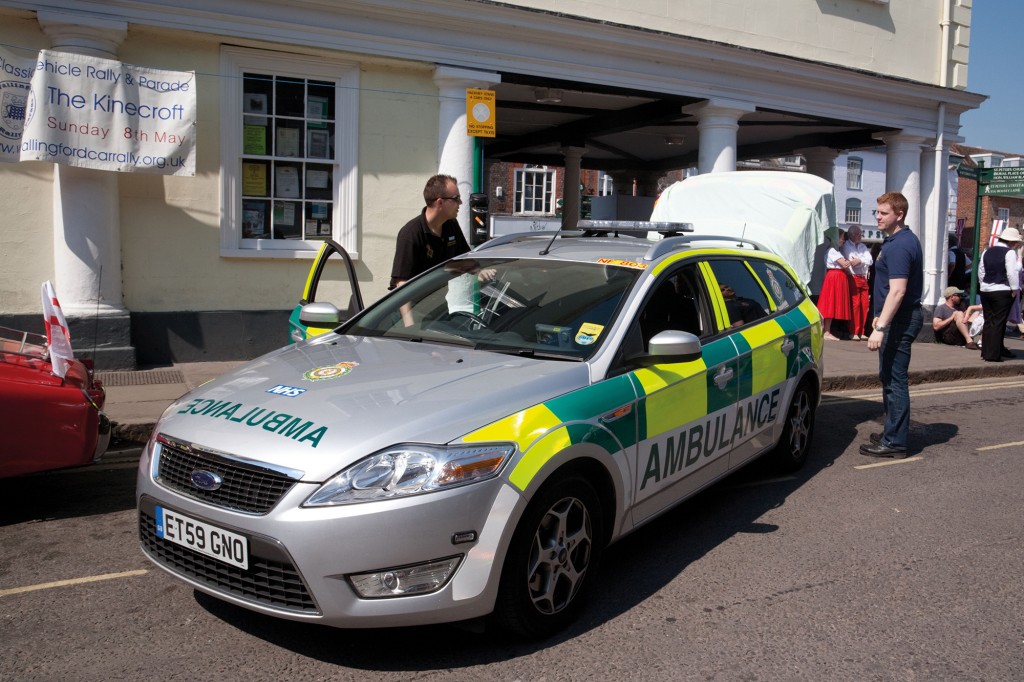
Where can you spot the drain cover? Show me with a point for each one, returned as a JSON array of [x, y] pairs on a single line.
[[141, 378]]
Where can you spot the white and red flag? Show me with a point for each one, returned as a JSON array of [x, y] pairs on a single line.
[[58, 338], [997, 229]]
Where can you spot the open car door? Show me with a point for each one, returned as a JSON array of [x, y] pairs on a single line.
[[331, 284]]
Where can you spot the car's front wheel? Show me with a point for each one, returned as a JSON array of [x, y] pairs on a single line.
[[791, 452], [551, 560]]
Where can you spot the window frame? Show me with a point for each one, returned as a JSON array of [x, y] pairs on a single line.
[[854, 173], [235, 62], [549, 190], [853, 204]]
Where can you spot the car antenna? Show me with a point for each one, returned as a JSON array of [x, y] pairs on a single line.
[[547, 248]]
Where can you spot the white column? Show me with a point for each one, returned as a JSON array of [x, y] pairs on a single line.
[[821, 161], [86, 219], [933, 233], [571, 186], [717, 123], [455, 149], [903, 171]]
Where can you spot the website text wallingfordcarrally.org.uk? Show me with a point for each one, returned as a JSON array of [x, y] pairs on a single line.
[[54, 149]]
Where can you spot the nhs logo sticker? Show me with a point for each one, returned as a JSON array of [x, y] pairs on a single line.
[[287, 391]]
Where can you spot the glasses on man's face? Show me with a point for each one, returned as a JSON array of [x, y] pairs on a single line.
[[457, 199]]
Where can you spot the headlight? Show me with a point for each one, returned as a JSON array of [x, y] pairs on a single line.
[[411, 470]]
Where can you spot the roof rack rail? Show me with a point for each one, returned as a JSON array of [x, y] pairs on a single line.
[[662, 247], [515, 237]]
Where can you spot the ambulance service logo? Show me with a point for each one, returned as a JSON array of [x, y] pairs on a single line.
[[329, 372]]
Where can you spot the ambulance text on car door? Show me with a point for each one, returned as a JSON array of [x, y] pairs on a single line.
[[762, 351], [686, 408]]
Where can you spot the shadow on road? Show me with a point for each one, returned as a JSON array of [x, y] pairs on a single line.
[[633, 570], [95, 489]]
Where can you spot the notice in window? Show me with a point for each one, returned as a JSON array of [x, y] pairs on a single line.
[[317, 179], [316, 110], [287, 141], [284, 214], [254, 179], [287, 179], [253, 219], [255, 140]]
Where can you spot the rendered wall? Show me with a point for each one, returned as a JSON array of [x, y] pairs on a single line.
[[859, 34], [170, 226]]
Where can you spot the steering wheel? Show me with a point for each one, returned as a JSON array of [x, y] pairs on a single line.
[[479, 321]]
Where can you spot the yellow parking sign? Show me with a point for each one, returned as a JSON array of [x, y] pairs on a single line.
[[480, 113]]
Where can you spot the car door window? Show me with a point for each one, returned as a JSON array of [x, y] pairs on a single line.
[[687, 409], [780, 286], [745, 299]]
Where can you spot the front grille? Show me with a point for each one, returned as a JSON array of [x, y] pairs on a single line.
[[266, 582], [246, 487]]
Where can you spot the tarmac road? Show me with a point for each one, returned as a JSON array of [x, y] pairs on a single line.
[[854, 569]]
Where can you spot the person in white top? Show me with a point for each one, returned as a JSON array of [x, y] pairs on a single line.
[[999, 281], [859, 256], [834, 301]]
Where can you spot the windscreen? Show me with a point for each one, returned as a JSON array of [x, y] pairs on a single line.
[[531, 307]]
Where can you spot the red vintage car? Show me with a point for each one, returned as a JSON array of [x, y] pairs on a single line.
[[46, 422]]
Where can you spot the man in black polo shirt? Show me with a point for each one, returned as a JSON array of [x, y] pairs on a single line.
[[434, 235]]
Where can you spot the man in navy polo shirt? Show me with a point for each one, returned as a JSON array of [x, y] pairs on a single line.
[[434, 235], [899, 284]]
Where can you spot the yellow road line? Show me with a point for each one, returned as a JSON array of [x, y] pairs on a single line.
[[73, 581], [1001, 445], [876, 396], [889, 463]]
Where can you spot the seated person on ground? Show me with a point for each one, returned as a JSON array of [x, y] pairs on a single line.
[[952, 318]]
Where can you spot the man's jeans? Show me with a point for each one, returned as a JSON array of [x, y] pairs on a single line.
[[893, 370]]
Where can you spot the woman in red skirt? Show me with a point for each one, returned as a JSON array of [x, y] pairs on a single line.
[[860, 259], [834, 302]]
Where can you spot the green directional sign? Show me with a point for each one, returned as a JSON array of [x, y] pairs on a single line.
[[1003, 189], [1002, 174], [967, 172]]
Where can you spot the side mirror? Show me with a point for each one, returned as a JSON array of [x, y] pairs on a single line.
[[670, 346], [320, 315]]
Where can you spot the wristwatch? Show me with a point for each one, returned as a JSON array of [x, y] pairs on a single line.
[[881, 327]]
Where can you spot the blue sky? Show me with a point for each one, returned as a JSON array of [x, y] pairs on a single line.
[[995, 68]]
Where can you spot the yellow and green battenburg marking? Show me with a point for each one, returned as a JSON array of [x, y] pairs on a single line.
[[620, 412]]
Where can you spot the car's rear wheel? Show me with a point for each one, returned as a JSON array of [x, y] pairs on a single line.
[[791, 452], [551, 560]]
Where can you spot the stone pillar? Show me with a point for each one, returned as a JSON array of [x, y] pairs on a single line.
[[571, 186], [821, 161], [934, 243], [717, 122], [456, 149], [903, 172], [86, 220]]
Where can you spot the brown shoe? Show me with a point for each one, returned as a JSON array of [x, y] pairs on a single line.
[[971, 346]]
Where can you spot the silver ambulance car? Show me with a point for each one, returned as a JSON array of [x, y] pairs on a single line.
[[468, 445]]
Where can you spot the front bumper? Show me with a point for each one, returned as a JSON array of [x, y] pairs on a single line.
[[300, 557]]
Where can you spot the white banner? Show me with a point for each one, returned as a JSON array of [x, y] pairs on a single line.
[[99, 113], [15, 76]]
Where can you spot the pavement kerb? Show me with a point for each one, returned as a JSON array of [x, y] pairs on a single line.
[[930, 376], [138, 433]]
